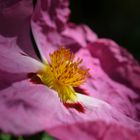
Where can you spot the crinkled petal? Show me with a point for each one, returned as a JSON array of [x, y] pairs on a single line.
[[15, 22], [94, 130], [82, 34], [51, 30], [41, 109], [95, 110], [117, 62], [39, 106], [105, 111], [48, 20], [8, 78], [100, 120], [102, 86], [14, 60], [26, 108]]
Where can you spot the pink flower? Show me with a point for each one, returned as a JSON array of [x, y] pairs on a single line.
[[27, 107]]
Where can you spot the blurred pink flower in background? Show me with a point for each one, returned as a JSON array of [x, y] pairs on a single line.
[[112, 103]]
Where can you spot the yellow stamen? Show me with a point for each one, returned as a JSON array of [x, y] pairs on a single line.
[[63, 73]]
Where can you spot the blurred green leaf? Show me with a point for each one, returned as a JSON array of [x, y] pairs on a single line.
[[46, 136], [20, 138], [5, 137]]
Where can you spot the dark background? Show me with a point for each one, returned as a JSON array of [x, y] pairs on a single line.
[[115, 19]]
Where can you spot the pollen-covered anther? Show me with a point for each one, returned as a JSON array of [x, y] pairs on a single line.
[[63, 73]]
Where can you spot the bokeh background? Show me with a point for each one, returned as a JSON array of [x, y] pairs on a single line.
[[115, 19]]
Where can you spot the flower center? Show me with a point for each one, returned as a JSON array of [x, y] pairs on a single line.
[[63, 73]]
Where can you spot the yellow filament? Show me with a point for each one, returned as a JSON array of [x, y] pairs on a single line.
[[63, 73]]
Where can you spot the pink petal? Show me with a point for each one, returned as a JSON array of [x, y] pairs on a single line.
[[7, 78], [94, 130], [117, 62], [48, 20], [15, 22], [39, 106], [98, 122], [14, 60], [96, 110], [102, 86], [82, 34], [100, 110], [14, 64], [41, 109], [51, 30], [26, 108]]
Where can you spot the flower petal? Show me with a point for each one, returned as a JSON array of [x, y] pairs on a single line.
[[26, 108], [117, 62], [48, 20], [74, 123], [102, 86], [121, 67], [51, 30], [41, 109], [15, 22], [106, 112], [94, 130], [82, 34], [7, 78], [14, 60]]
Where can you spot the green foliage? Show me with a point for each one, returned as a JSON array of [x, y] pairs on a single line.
[[39, 136], [5, 137], [45, 136], [20, 138]]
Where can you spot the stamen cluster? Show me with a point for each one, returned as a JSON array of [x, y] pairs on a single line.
[[63, 73]]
